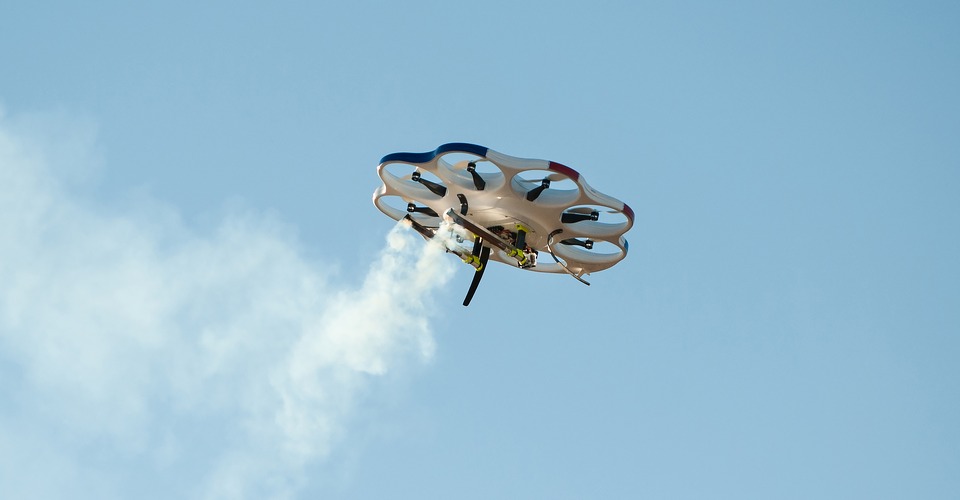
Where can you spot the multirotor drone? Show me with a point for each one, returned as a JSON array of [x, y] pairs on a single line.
[[483, 205]]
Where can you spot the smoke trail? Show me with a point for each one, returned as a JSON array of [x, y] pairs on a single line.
[[140, 357]]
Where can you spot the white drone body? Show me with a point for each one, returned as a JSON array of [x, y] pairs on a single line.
[[511, 209]]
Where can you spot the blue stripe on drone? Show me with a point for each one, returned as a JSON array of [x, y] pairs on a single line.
[[452, 147]]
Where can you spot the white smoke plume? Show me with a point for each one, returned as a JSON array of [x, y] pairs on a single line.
[[140, 357]]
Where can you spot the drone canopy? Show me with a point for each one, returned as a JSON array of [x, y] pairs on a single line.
[[533, 205]]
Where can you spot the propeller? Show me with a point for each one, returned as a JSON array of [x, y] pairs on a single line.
[[421, 210], [437, 189], [588, 244], [535, 193], [588, 209], [477, 180], [578, 216], [551, 177]]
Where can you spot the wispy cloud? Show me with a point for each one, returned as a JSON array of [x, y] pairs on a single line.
[[140, 356]]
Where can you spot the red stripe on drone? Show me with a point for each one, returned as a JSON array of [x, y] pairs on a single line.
[[565, 170]]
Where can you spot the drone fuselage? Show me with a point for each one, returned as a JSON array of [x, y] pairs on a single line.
[[507, 203]]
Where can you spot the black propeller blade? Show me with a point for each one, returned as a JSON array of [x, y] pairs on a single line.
[[534, 193], [477, 180], [437, 189], [421, 210], [571, 217], [588, 244]]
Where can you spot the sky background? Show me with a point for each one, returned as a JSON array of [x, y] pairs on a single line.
[[199, 300]]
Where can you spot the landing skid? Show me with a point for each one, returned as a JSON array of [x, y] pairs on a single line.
[[484, 256]]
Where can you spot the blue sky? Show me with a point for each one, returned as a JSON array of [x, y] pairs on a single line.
[[198, 299]]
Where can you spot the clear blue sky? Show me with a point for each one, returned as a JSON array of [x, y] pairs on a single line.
[[190, 197]]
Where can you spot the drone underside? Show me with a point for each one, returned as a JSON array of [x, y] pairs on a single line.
[[505, 208]]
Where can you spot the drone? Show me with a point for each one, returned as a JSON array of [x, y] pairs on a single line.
[[484, 205]]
